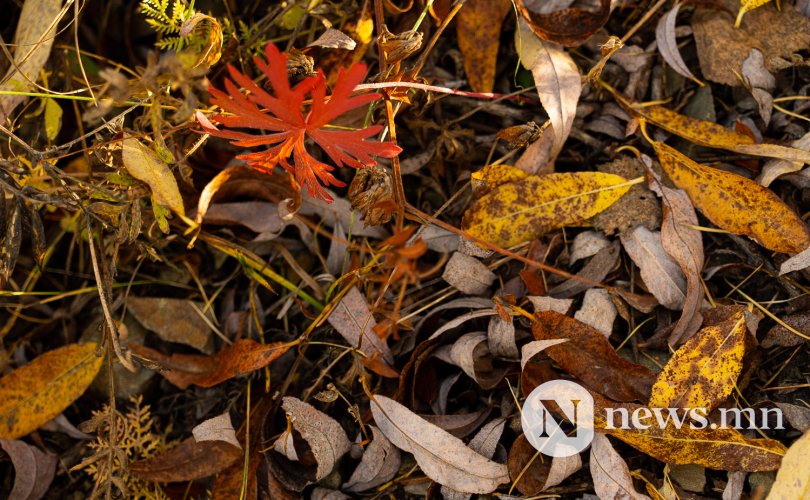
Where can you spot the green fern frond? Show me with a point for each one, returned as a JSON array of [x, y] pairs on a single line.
[[167, 19]]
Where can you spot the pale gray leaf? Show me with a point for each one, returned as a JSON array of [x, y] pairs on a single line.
[[611, 476], [501, 338], [354, 322], [597, 311], [660, 272], [468, 274], [668, 45], [528, 351], [380, 462], [218, 428], [326, 438]]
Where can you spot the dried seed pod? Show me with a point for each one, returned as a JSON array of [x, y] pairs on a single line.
[[401, 46], [520, 135], [371, 193], [299, 65]]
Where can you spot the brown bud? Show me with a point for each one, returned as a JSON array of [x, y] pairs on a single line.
[[520, 135], [401, 46], [371, 193]]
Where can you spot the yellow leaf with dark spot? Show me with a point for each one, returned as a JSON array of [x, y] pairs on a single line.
[[695, 442], [478, 26], [36, 393], [492, 176], [520, 211], [703, 371], [736, 204]]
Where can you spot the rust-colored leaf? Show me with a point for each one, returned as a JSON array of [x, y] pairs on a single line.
[[736, 204], [589, 356], [478, 26], [36, 393], [187, 461], [569, 26], [520, 211], [235, 360], [704, 371]]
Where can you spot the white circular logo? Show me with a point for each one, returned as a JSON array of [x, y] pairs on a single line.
[[567, 400]]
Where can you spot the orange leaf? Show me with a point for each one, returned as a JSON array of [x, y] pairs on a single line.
[[36, 393], [241, 358], [736, 204]]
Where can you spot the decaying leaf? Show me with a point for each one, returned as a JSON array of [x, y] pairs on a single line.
[[326, 438], [380, 462], [441, 456], [722, 448], [501, 337], [558, 81], [685, 245], [661, 274], [589, 356], [484, 443], [523, 210], [491, 176], [468, 274], [174, 320], [747, 6], [353, 320], [610, 474], [775, 168], [33, 469], [704, 371], [218, 428], [736, 204], [793, 478], [36, 32], [668, 45], [145, 165], [471, 353], [34, 394], [597, 311], [188, 461], [241, 358], [478, 26], [569, 26]]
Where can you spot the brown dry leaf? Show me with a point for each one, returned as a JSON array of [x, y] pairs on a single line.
[[174, 320], [587, 244], [589, 356], [216, 429], [747, 6], [567, 26], [778, 335], [760, 83], [188, 461], [704, 371], [735, 485], [484, 443], [334, 39], [352, 319], [722, 49], [558, 82], [521, 211], [723, 448], [661, 274], [325, 437], [459, 426], [501, 338], [596, 269], [36, 31], [528, 478], [685, 245], [610, 474], [241, 358], [33, 469], [598, 311], [34, 394], [793, 477], [468, 274], [775, 168], [478, 27], [536, 159], [668, 45], [145, 165], [543, 303], [736, 204], [441, 456], [561, 468], [471, 353], [380, 462]]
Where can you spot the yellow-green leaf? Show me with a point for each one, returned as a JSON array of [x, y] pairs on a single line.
[[492, 176], [36, 393], [736, 204], [145, 165], [53, 118], [793, 478], [520, 211], [703, 371]]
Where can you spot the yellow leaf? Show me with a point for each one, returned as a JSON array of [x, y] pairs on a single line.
[[793, 478], [478, 27], [53, 118], [520, 211], [703, 371], [34, 394], [145, 165], [747, 6], [492, 176], [736, 204]]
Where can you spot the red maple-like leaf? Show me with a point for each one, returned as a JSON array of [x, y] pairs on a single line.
[[283, 116]]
